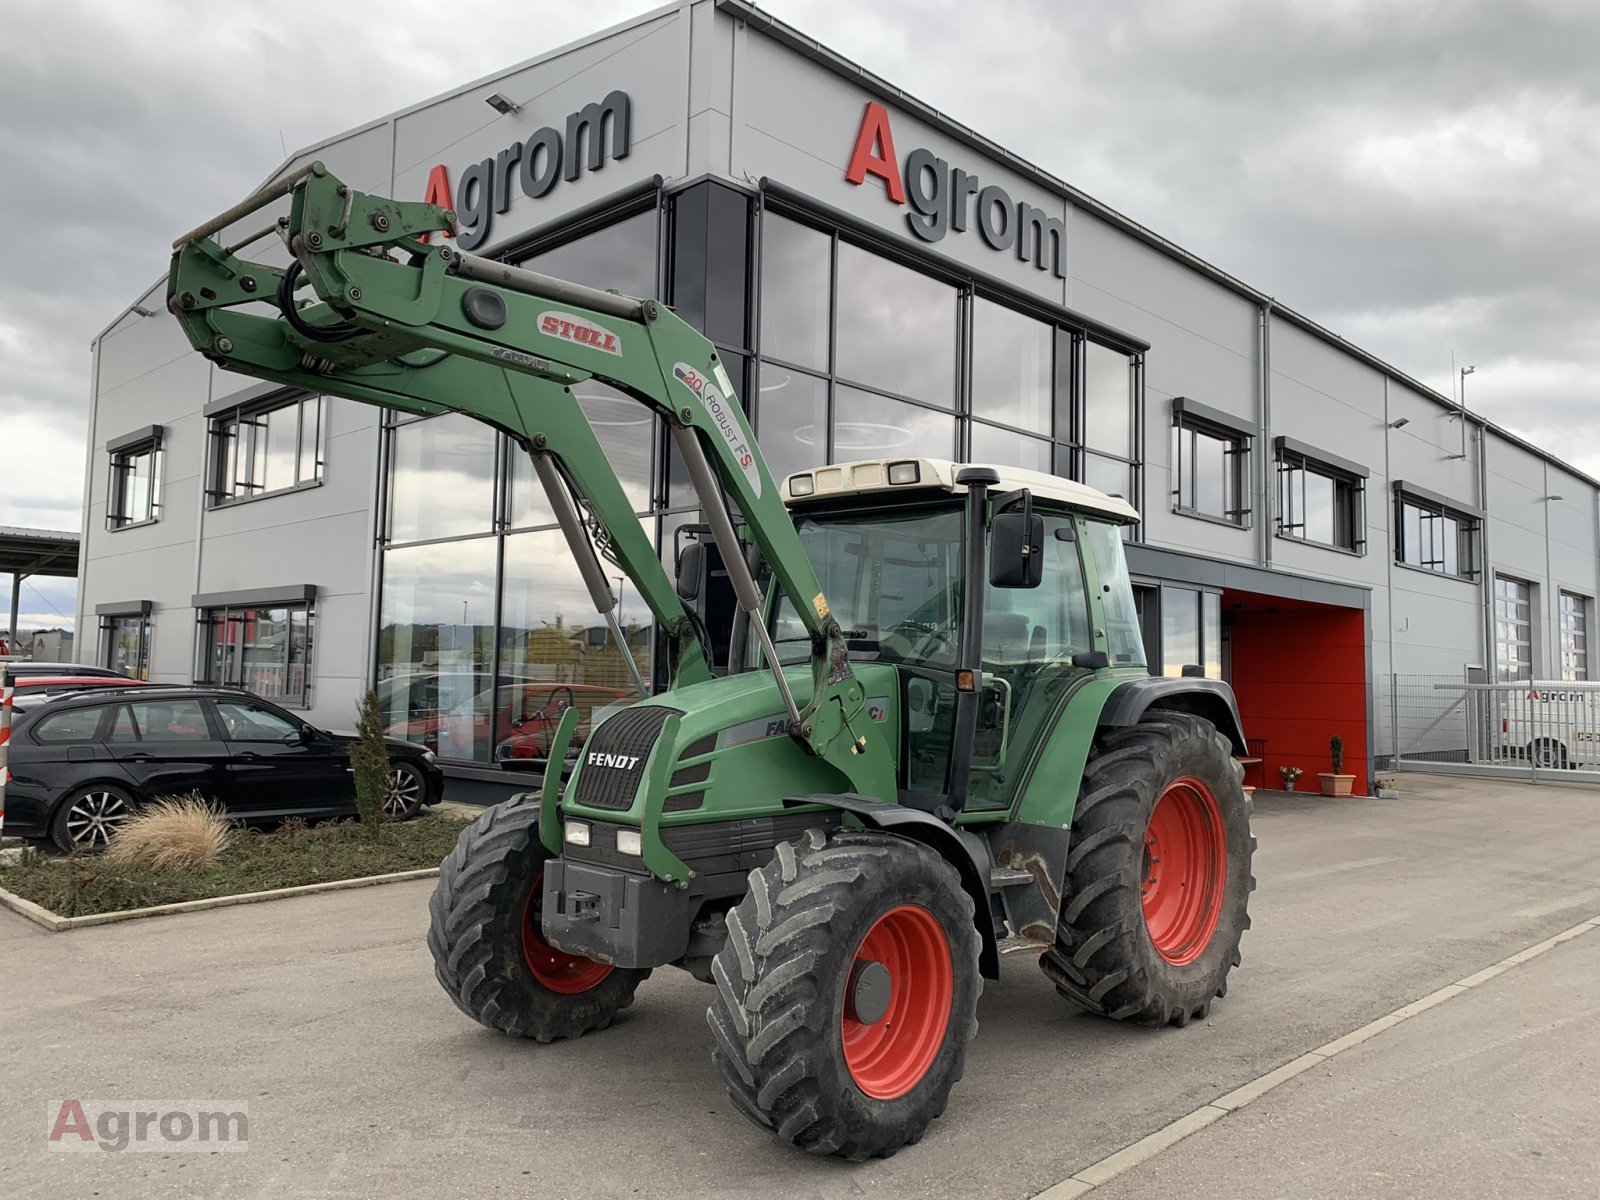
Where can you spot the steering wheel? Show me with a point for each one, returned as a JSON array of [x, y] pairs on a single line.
[[924, 639]]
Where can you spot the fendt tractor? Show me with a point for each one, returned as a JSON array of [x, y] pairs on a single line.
[[934, 745]]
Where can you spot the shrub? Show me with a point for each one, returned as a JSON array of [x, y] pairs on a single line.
[[175, 832], [1336, 752], [369, 759]]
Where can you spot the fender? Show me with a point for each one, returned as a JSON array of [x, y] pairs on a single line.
[[970, 859], [1208, 698]]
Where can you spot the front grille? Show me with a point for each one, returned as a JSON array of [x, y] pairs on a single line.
[[718, 846], [614, 760]]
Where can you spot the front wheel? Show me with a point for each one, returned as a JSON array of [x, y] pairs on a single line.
[[847, 992], [489, 952], [405, 792], [1158, 874], [1547, 754]]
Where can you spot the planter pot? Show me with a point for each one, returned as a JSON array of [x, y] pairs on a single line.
[[1335, 785], [1288, 785]]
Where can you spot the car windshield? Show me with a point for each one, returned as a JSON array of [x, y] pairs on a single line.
[[892, 579]]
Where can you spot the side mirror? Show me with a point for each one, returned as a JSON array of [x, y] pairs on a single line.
[[691, 569], [1016, 549]]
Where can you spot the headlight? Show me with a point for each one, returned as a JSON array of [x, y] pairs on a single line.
[[630, 841], [577, 833], [429, 756]]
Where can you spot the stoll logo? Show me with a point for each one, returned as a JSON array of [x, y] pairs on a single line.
[[534, 165], [942, 198]]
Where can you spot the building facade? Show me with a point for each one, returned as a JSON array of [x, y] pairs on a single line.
[[881, 281]]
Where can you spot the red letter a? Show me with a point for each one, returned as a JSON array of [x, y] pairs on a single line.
[[438, 190], [71, 1120], [874, 153]]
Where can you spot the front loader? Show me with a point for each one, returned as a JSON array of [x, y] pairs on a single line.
[[936, 744]]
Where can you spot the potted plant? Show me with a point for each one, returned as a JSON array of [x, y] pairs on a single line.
[[1335, 782], [1290, 774]]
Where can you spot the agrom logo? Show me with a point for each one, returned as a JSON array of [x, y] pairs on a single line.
[[533, 166], [946, 199], [585, 333]]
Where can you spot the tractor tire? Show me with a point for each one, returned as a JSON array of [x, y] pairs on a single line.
[[1158, 874], [847, 992], [484, 933]]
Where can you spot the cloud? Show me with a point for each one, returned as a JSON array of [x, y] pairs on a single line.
[[1421, 177]]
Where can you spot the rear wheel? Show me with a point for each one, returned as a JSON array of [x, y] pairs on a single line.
[[1547, 754], [1158, 874], [847, 992], [489, 951]]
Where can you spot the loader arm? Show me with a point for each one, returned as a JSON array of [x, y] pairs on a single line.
[[428, 329]]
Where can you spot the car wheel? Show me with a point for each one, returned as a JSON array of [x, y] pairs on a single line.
[[406, 792], [88, 817]]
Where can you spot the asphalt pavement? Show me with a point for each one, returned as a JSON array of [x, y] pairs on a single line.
[[321, 1014]]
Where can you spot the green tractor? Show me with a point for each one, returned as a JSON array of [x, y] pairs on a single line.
[[935, 745]]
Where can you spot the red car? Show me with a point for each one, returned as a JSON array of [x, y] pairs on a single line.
[[51, 685], [525, 718]]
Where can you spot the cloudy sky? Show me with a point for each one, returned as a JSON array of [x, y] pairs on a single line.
[[1420, 177]]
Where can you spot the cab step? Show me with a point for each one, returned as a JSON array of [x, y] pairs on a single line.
[[1001, 878], [1022, 945]]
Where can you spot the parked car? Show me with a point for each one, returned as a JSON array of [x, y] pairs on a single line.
[[83, 762], [54, 685], [23, 670], [525, 719]]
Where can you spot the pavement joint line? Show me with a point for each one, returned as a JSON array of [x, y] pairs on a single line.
[[1119, 1162]]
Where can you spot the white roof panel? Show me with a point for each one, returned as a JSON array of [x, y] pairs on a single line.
[[871, 475]]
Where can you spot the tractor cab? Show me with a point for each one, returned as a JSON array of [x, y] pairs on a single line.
[[889, 542]]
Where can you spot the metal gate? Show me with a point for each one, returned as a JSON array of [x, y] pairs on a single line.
[[1534, 729]]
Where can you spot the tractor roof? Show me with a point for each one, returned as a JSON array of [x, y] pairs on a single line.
[[875, 475]]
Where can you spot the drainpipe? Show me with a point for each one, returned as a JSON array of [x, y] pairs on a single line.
[[1266, 469], [1491, 672]]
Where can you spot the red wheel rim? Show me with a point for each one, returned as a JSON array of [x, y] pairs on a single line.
[[1185, 868], [889, 1057], [567, 974]]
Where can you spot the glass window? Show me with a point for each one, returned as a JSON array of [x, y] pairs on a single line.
[[793, 414], [896, 328], [1209, 471], [1011, 367], [1107, 475], [441, 480], [135, 486], [165, 721], [893, 582], [1043, 624], [246, 722], [1124, 642], [1513, 620], [796, 279], [1574, 637], [436, 640], [1180, 630], [550, 633], [1107, 400], [867, 425], [265, 650], [261, 450], [128, 645], [1005, 448], [1211, 634], [1319, 504], [74, 725], [1435, 538], [620, 257]]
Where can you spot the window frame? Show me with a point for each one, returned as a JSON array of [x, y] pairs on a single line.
[[1349, 481], [1574, 641], [121, 452], [232, 426], [112, 615], [1192, 418], [208, 617], [1508, 625], [1469, 531], [1069, 448]]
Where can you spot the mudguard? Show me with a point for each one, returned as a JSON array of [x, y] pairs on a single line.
[[967, 853], [1208, 698]]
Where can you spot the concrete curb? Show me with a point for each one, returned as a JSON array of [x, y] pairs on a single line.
[[59, 924]]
